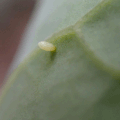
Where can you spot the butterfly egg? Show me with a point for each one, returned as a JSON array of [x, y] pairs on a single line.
[[46, 46]]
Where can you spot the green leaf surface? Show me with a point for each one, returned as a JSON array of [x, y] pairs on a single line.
[[76, 82], [101, 30], [66, 13]]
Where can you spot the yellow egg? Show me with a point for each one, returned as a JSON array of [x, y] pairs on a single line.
[[46, 46]]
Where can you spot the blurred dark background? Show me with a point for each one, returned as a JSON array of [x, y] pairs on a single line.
[[14, 16]]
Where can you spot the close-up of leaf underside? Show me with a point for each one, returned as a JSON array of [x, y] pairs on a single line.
[[77, 81]]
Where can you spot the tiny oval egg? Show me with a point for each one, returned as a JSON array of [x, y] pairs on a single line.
[[46, 46]]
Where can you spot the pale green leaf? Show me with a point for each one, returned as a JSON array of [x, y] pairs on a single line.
[[78, 81]]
